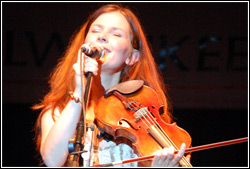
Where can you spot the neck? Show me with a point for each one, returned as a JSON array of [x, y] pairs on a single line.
[[99, 86], [110, 80]]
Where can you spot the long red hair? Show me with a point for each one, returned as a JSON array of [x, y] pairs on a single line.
[[62, 78]]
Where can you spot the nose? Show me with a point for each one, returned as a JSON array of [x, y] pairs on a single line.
[[102, 37]]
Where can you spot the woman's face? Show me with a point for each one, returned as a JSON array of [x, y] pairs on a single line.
[[111, 31]]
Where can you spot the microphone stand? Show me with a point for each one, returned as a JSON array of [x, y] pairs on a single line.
[[81, 126]]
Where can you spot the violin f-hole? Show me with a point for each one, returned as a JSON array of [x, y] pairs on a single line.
[[128, 124]]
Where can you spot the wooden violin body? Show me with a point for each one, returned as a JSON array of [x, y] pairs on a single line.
[[136, 117]]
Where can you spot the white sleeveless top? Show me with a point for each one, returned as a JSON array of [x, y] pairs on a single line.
[[107, 152]]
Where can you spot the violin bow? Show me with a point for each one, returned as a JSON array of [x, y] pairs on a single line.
[[188, 150]]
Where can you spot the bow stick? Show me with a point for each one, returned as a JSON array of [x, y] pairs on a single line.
[[188, 150]]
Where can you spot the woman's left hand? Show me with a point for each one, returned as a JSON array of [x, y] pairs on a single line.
[[167, 158]]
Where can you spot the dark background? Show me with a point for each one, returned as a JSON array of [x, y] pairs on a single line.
[[201, 49]]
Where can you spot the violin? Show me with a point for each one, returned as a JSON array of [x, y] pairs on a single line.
[[132, 110]]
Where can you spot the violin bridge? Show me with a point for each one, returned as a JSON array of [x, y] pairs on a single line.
[[141, 113]]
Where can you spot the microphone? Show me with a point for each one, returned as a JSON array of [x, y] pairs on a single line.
[[95, 51]]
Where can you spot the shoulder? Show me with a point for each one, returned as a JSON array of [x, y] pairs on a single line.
[[51, 114]]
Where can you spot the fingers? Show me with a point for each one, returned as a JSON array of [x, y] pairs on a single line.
[[178, 157], [188, 157], [157, 159], [167, 158], [163, 157], [167, 155], [90, 65]]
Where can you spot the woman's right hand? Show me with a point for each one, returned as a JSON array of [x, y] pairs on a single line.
[[89, 65]]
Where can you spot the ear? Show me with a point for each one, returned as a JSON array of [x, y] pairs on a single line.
[[134, 58]]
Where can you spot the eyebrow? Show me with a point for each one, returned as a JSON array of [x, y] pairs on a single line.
[[114, 28]]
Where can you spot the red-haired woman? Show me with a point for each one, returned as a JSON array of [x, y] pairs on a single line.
[[127, 57]]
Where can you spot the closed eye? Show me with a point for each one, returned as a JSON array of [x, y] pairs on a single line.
[[95, 31], [117, 34]]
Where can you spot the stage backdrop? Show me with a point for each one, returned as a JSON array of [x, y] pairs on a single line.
[[201, 49]]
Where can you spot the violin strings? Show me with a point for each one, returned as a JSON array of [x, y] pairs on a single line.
[[160, 131], [167, 140], [151, 122], [142, 113], [136, 105]]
